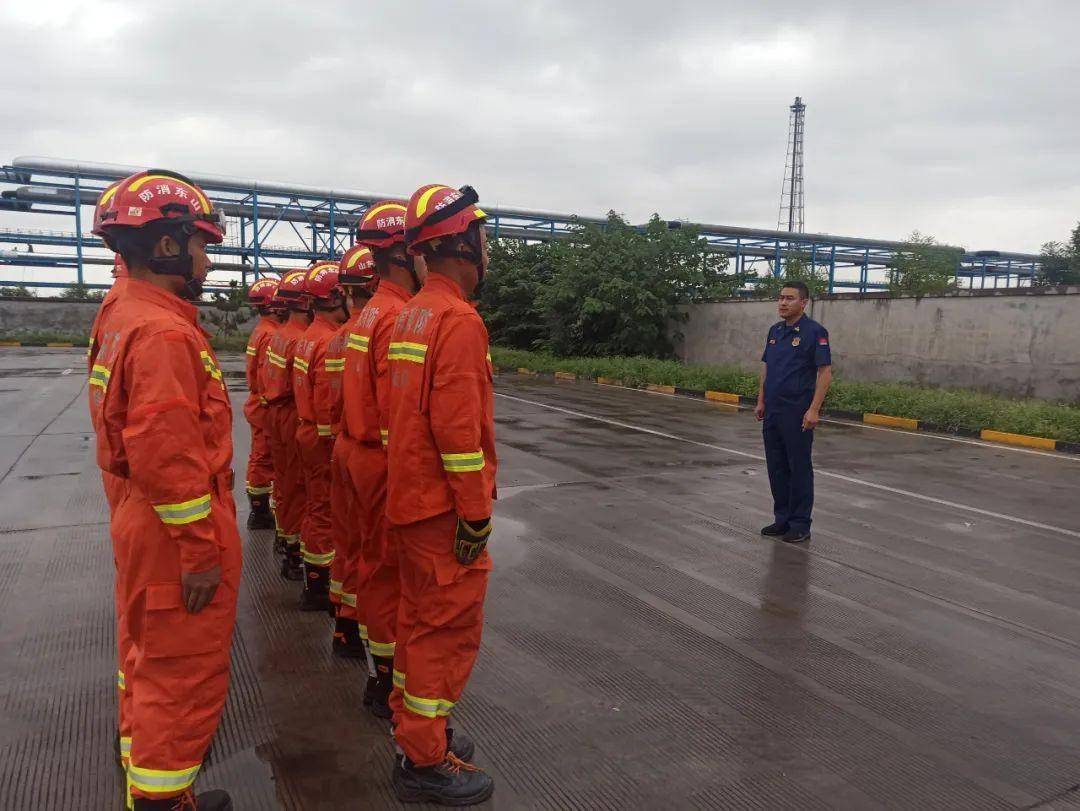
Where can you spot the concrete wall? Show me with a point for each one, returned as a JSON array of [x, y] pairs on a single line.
[[23, 316], [1018, 344]]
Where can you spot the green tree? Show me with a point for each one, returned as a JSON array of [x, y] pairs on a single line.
[[229, 310], [1059, 263], [512, 295], [80, 292], [617, 289], [923, 267], [797, 268], [19, 291]]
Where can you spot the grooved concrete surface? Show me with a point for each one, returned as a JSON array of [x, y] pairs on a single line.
[[643, 648]]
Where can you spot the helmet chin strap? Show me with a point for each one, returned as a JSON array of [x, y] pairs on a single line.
[[409, 263], [182, 264]]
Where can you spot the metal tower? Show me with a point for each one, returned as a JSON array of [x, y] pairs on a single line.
[[792, 216]]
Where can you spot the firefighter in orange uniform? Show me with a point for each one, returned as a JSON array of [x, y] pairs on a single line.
[[440, 488], [164, 427], [364, 432], [356, 274], [259, 483], [316, 385], [275, 385], [113, 485]]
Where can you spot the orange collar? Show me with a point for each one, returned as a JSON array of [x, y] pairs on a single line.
[[152, 294]]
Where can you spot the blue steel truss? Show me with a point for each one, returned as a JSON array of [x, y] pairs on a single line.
[[308, 223]]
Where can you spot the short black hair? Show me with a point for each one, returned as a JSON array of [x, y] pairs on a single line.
[[804, 291]]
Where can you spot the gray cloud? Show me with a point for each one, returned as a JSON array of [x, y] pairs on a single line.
[[957, 119]]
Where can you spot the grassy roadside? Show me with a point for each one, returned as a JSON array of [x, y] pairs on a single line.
[[232, 343], [947, 409]]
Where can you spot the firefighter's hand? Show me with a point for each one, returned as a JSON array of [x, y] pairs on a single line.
[[810, 419], [199, 588], [759, 410], [471, 539]]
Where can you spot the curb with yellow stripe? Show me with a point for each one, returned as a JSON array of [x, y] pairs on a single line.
[[732, 401], [64, 344]]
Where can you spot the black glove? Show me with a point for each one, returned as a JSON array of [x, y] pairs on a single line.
[[471, 539]]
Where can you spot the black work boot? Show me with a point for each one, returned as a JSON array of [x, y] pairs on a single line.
[[260, 517], [348, 643], [292, 565], [774, 529], [377, 692], [316, 595], [452, 782], [459, 744], [796, 535], [216, 800]]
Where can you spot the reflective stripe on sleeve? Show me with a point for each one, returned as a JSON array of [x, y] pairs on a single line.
[[335, 364], [185, 512], [210, 366], [121, 682], [99, 376], [384, 435], [358, 342], [275, 360], [300, 364], [160, 781], [463, 462], [323, 430], [251, 350]]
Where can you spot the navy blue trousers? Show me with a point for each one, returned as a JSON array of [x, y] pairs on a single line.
[[791, 473]]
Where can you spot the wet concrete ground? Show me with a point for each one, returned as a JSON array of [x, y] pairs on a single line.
[[644, 646]]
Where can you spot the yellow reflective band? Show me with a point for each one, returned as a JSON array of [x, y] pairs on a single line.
[[99, 376], [125, 747], [399, 679], [348, 599], [185, 512], [383, 649], [323, 430], [251, 350], [316, 559], [301, 364], [384, 435], [335, 364], [480, 213], [358, 342], [488, 357], [335, 587], [463, 462], [427, 707], [363, 631], [258, 491], [405, 350], [421, 204], [276, 360], [371, 212], [210, 366], [121, 682], [138, 183], [107, 195], [159, 781]]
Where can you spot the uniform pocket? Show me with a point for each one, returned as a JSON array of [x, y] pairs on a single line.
[[170, 631]]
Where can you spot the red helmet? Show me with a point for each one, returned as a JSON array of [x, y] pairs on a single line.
[[104, 202], [293, 290], [382, 225], [322, 282], [357, 268], [154, 195], [439, 211], [262, 292]]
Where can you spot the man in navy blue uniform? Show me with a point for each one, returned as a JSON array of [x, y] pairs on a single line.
[[798, 370]]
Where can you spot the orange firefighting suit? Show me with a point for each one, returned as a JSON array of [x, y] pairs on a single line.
[[341, 500], [315, 386], [163, 423], [114, 486], [260, 466], [364, 422], [441, 456], [275, 385]]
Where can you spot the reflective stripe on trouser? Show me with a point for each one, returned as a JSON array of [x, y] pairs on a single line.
[[260, 465], [289, 487], [440, 621], [177, 668], [316, 533]]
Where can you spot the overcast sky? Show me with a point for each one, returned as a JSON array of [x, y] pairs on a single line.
[[958, 119]]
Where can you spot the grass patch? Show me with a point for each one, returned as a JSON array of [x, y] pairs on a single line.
[[230, 343], [950, 409]]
